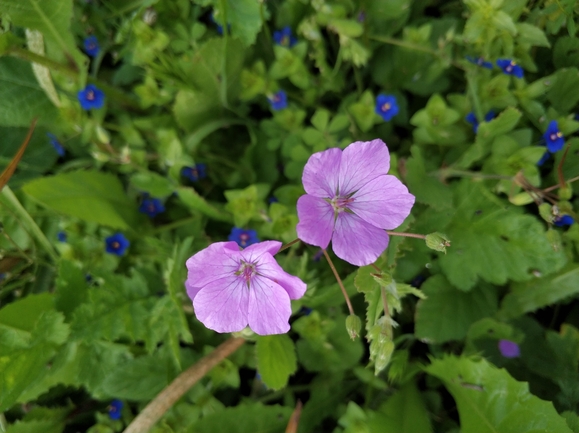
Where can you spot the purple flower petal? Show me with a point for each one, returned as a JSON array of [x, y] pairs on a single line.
[[385, 202], [269, 269], [361, 163], [222, 305], [269, 307], [211, 264], [255, 251], [357, 241], [321, 172], [509, 349], [316, 221]]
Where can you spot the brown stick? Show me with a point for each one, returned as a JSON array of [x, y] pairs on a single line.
[[182, 383]]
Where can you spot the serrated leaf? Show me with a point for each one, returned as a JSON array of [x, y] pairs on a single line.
[[21, 95], [496, 240], [37, 426], [447, 313], [276, 360], [404, 412], [490, 400], [244, 18], [89, 195], [538, 293], [245, 418], [427, 189]]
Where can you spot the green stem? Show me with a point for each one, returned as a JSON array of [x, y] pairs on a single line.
[[67, 71], [286, 246], [472, 88], [406, 235], [224, 57], [350, 308], [8, 198]]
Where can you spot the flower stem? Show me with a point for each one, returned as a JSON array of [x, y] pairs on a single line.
[[350, 308], [560, 166], [551, 188], [180, 385], [286, 246], [406, 235]]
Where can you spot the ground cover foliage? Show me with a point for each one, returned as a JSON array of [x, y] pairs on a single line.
[[176, 124]]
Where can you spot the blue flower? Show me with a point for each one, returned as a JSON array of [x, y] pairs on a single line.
[[151, 207], [195, 173], [509, 349], [117, 244], [278, 101], [244, 238], [471, 118], [218, 26], [554, 137], [509, 67], [91, 97], [563, 220], [386, 106], [115, 409], [480, 62], [56, 144], [91, 46], [61, 236], [306, 311], [544, 158], [284, 37]]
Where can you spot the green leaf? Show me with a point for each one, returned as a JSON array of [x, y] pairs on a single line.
[[490, 400], [503, 123], [562, 94], [194, 201], [427, 189], [539, 293], [52, 19], [156, 185], [245, 418], [37, 426], [89, 195], [276, 359], [496, 240], [22, 97], [243, 16], [532, 35], [71, 288], [404, 412], [447, 313], [244, 203], [139, 379], [566, 52]]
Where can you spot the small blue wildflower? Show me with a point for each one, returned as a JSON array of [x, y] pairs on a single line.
[[115, 409], [546, 156], [563, 220], [471, 118], [278, 101], [361, 17], [152, 207], [284, 37], [306, 311], [479, 61], [244, 238], [61, 236], [509, 67], [195, 173], [117, 244], [91, 97], [554, 137], [386, 106], [509, 349], [88, 278], [272, 199], [91, 46], [56, 144], [218, 26]]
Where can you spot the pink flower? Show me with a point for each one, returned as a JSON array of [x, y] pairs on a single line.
[[232, 288], [351, 200]]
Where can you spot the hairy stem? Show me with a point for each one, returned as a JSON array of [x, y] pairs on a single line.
[[182, 383], [406, 235], [350, 308]]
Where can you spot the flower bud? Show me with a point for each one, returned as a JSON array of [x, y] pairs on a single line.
[[546, 212], [565, 192], [353, 326], [437, 241]]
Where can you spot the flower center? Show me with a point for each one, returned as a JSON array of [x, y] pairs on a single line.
[[386, 107], [90, 95], [243, 238], [285, 41], [116, 245], [246, 271], [340, 204]]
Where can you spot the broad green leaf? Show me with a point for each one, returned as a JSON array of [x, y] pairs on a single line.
[[276, 360], [490, 400], [530, 34], [538, 293], [244, 203], [496, 241], [22, 97], [447, 313], [404, 412], [156, 185], [427, 189], [89, 195], [566, 52], [139, 379], [562, 94], [503, 123], [71, 288], [37, 426], [245, 418], [244, 17], [52, 19], [194, 201]]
